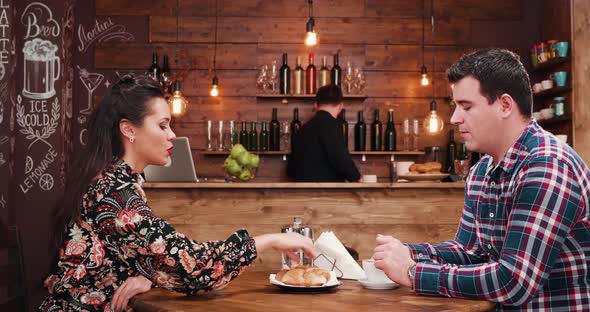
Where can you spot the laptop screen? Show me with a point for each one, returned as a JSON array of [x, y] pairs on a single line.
[[180, 168]]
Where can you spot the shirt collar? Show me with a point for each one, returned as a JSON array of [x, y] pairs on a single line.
[[518, 151], [125, 172]]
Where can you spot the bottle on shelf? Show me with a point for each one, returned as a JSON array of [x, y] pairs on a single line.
[[244, 139], [298, 77], [336, 72], [311, 79], [154, 70], [285, 77], [233, 133], [295, 126], [275, 132], [451, 153], [360, 133], [165, 76], [344, 125], [390, 134], [376, 133], [264, 137], [324, 74], [253, 141]]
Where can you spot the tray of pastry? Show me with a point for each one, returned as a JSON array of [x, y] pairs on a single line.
[[305, 279], [428, 171]]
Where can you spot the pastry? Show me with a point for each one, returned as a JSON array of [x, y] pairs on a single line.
[[303, 276], [428, 167]]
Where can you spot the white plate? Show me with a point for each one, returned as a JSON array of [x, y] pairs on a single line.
[[423, 176], [378, 285], [332, 283]]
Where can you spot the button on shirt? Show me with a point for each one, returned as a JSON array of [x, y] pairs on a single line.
[[524, 237]]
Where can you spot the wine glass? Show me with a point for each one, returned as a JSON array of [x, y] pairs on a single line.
[[262, 78], [273, 78], [286, 135], [348, 78], [359, 81], [462, 168]]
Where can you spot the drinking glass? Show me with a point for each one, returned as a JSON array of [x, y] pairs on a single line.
[[462, 168], [348, 78], [209, 135], [286, 135], [262, 79], [273, 78], [359, 81], [221, 136]]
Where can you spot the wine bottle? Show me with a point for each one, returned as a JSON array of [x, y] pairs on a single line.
[[336, 72], [344, 126], [253, 137], [244, 140], [311, 79], [324, 74], [165, 75], [295, 126], [298, 77], [264, 137], [390, 134], [360, 132], [285, 77], [451, 153], [154, 70], [376, 133], [275, 132]]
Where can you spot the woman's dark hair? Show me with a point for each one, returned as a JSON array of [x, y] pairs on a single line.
[[498, 71], [127, 99]]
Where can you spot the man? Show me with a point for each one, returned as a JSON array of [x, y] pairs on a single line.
[[319, 152], [524, 237]]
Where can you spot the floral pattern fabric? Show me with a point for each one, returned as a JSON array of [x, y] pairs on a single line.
[[119, 237]]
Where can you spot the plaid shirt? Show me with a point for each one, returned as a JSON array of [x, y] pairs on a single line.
[[524, 237]]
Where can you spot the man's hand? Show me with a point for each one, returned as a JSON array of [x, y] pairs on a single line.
[[394, 259], [131, 287]]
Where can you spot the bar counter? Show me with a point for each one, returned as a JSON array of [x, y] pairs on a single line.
[[253, 292], [356, 212]]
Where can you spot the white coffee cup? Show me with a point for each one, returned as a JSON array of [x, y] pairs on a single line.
[[374, 274], [370, 178], [547, 113], [547, 84], [537, 87], [403, 167], [562, 137]]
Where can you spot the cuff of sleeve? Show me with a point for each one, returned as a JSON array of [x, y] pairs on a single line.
[[419, 252], [246, 246], [427, 279]]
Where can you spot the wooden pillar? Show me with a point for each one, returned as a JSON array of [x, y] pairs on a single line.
[[581, 72]]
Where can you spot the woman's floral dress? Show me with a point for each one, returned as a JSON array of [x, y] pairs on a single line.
[[120, 237]]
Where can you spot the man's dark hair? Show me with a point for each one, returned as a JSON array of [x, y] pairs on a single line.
[[498, 71], [329, 95]]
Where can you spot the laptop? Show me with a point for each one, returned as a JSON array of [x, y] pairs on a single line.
[[180, 168]]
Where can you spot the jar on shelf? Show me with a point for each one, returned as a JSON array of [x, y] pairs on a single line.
[[541, 52], [552, 53], [534, 57], [559, 106]]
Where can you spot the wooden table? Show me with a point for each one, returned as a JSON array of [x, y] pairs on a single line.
[[253, 292]]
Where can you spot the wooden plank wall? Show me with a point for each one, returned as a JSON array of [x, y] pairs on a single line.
[[355, 216], [381, 36]]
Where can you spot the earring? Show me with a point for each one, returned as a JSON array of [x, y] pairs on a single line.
[[131, 139]]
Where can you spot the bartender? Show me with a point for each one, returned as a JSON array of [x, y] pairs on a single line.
[[319, 153]]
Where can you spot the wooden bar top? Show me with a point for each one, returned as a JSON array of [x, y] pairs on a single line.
[[304, 185], [252, 291]]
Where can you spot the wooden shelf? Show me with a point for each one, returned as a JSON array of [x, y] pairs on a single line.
[[555, 120], [303, 185], [553, 91], [367, 153], [306, 96], [554, 62]]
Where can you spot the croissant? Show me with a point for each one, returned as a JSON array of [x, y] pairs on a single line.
[[428, 167], [303, 276]]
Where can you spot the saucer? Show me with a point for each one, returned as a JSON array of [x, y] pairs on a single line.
[[378, 285]]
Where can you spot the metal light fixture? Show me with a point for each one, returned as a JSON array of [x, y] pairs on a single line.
[[424, 81], [433, 123], [178, 104], [311, 37], [215, 86]]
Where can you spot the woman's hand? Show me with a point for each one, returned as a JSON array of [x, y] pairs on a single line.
[[131, 287], [285, 243]]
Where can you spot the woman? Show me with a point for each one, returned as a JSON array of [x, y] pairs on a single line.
[[113, 247]]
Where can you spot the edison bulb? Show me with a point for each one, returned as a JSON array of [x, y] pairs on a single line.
[[178, 104], [433, 123], [311, 39], [424, 81], [214, 91]]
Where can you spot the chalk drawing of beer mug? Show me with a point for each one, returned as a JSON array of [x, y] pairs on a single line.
[[41, 69]]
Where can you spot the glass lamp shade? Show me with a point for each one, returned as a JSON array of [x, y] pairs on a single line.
[[433, 124], [178, 104]]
